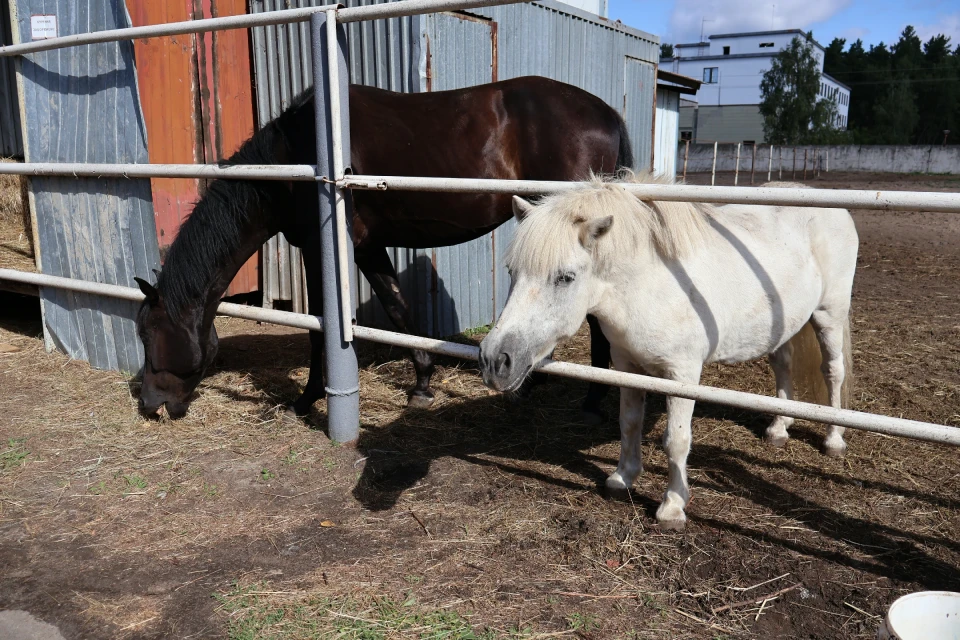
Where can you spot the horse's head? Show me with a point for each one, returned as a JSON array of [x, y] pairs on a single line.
[[177, 352], [553, 286]]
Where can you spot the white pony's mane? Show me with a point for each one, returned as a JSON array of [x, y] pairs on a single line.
[[552, 229]]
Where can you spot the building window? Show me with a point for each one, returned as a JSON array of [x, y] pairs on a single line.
[[726, 51], [764, 45], [686, 135], [711, 75]]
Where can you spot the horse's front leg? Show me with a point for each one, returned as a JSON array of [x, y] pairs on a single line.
[[632, 409], [376, 266], [676, 442], [599, 357], [315, 389]]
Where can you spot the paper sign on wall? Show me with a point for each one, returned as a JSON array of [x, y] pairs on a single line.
[[43, 27]]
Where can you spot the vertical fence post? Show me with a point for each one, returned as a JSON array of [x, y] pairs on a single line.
[[736, 170], [686, 154], [805, 164], [780, 163], [770, 164], [753, 162], [713, 173], [794, 175], [331, 102], [826, 151]]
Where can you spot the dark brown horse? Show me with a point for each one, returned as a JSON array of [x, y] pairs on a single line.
[[527, 128]]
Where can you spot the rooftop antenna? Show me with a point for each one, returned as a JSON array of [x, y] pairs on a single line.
[[702, 21], [773, 18]]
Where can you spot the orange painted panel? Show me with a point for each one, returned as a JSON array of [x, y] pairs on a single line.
[[178, 74], [226, 102], [167, 78]]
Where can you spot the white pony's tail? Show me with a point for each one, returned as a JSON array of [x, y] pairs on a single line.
[[808, 384]]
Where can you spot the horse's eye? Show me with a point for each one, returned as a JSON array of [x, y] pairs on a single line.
[[564, 278]]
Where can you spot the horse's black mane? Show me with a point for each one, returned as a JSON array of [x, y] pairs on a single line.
[[213, 233]]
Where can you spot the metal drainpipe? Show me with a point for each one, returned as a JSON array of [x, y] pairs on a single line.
[[342, 379]]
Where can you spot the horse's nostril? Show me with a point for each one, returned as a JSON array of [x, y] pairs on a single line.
[[503, 363]]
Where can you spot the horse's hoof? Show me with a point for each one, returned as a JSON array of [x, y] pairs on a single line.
[[777, 441], [616, 487], [835, 452], [675, 524], [420, 400], [592, 418]]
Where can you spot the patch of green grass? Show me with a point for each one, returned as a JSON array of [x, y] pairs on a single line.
[[253, 618], [583, 622], [98, 489], [14, 455], [135, 482], [478, 331], [266, 475]]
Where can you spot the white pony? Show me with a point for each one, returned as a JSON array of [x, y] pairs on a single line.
[[676, 285]]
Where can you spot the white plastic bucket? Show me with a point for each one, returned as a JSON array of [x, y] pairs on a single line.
[[926, 615]]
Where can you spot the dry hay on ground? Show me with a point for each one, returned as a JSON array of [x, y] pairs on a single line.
[[16, 244], [480, 516]]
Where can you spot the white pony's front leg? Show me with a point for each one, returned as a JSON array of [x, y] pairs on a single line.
[[632, 407], [676, 442]]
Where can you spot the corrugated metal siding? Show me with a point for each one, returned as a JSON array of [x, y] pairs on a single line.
[[461, 54], [383, 53], [81, 105], [11, 142], [667, 133], [545, 38]]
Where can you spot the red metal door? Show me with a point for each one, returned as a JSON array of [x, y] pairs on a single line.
[[196, 110]]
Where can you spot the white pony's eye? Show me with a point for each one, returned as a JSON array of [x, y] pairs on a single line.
[[564, 278]]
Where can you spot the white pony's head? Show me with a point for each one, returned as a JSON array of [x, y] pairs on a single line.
[[566, 253]]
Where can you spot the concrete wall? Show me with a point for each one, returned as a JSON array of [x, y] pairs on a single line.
[[873, 158]]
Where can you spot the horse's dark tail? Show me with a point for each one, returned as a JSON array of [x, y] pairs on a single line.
[[625, 154]]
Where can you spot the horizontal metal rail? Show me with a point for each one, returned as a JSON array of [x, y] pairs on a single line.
[[285, 16], [301, 172], [925, 431], [845, 198]]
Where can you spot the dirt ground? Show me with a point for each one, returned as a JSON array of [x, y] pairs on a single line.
[[480, 517]]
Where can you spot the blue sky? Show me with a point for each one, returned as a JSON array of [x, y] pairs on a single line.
[[871, 20]]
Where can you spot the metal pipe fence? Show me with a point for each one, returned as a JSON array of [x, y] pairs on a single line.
[[887, 425], [842, 198], [330, 91]]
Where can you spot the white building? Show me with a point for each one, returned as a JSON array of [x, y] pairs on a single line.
[[731, 67], [598, 7]]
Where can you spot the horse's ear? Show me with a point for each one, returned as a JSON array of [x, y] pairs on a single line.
[[521, 208], [594, 230], [148, 290], [156, 272]]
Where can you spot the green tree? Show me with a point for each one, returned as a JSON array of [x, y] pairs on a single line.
[[791, 110], [666, 50]]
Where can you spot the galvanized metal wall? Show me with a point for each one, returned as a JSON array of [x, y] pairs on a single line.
[[81, 105], [11, 142], [383, 53], [667, 132], [553, 40], [455, 288]]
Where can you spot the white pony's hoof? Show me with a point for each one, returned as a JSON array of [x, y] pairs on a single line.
[[672, 524], [617, 487], [835, 451], [777, 440]]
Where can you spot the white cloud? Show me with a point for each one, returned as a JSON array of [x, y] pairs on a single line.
[[735, 16], [948, 25]]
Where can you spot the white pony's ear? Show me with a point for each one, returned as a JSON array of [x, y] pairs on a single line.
[[594, 230], [521, 208]]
